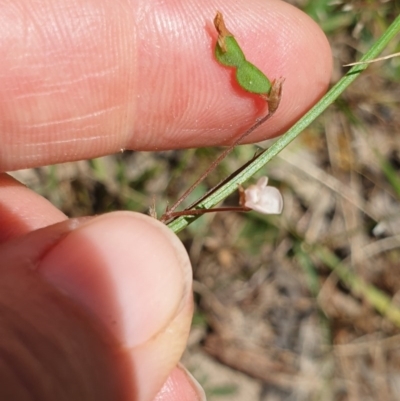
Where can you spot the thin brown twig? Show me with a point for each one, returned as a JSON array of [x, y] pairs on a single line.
[[273, 104], [224, 181], [168, 214], [196, 212]]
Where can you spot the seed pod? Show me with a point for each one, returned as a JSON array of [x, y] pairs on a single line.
[[248, 76], [233, 56], [251, 79], [229, 53]]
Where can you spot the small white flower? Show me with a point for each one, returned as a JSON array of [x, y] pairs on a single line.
[[263, 199]]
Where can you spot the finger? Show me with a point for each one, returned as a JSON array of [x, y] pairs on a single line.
[[105, 308], [86, 78], [22, 210]]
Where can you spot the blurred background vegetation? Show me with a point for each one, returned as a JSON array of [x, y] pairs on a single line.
[[302, 306]]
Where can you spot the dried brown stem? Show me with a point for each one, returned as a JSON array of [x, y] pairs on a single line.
[[197, 212], [274, 99]]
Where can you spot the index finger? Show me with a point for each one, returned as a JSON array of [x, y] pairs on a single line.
[[87, 78]]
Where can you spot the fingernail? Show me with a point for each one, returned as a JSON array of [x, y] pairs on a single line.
[[129, 271], [200, 393], [181, 382]]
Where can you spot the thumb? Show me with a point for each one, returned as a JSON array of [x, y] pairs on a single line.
[[95, 309]]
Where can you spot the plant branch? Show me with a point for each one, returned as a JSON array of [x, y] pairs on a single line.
[[231, 186]]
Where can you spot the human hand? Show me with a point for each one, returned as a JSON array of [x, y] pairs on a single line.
[[101, 308]]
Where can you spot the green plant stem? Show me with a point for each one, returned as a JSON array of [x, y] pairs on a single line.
[[231, 186]]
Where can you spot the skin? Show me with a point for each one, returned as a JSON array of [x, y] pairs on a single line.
[[100, 308]]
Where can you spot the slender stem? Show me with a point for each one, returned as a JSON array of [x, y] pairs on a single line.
[[231, 186], [199, 212], [190, 211], [223, 182], [168, 214]]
